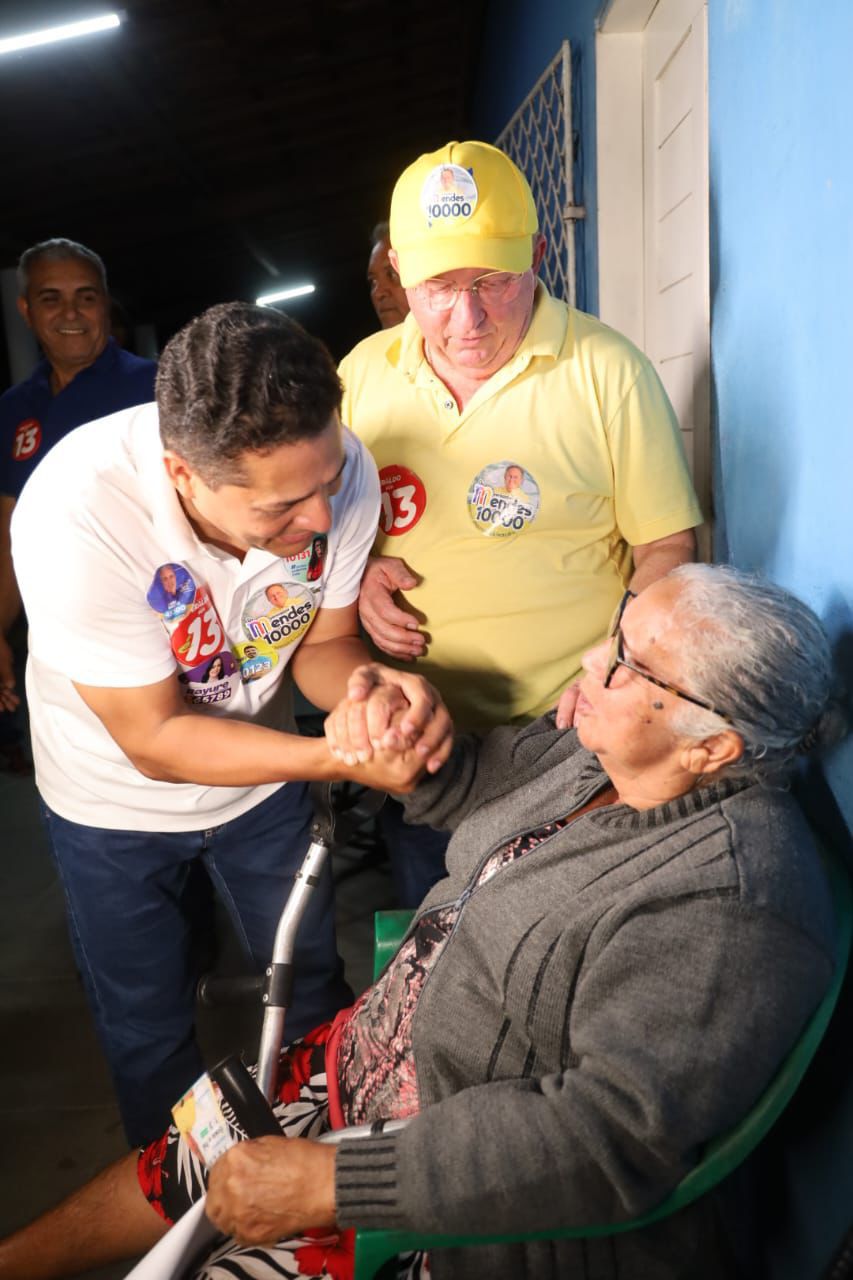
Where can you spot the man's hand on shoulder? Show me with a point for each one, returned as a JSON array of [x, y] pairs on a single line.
[[392, 629]]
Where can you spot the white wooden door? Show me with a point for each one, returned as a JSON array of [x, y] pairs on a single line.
[[675, 216], [651, 61]]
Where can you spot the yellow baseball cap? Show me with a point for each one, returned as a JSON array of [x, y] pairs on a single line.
[[466, 205]]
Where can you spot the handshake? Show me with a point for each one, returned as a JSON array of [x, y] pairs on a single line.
[[390, 729]]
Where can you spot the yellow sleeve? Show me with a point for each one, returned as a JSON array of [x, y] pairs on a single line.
[[344, 373], [653, 492]]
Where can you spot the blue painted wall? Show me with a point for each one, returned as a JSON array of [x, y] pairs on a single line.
[[781, 106]]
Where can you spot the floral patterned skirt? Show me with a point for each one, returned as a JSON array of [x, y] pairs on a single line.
[[173, 1177]]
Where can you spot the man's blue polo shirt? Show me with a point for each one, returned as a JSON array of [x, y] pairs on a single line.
[[32, 419]]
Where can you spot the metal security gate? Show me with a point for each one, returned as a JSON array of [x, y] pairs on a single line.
[[539, 140]]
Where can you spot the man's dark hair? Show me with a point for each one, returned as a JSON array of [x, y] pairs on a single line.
[[57, 250], [382, 231], [238, 378]]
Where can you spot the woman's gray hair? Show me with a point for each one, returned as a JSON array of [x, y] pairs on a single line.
[[761, 656]]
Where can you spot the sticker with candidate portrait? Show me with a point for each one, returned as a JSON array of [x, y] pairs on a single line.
[[403, 500], [503, 500], [279, 614], [308, 565], [256, 658], [449, 195], [210, 681], [172, 591]]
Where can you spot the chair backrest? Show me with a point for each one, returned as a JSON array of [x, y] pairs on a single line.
[[720, 1157], [389, 928]]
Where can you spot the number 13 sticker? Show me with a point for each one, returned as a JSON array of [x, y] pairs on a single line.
[[26, 440], [199, 634], [403, 500]]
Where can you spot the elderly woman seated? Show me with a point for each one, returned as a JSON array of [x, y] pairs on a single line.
[[633, 931]]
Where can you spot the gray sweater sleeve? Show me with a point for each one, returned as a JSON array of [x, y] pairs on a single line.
[[481, 767], [677, 1023]]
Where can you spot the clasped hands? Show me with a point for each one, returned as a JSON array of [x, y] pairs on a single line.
[[391, 728]]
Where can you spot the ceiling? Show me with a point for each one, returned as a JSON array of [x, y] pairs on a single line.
[[212, 149]]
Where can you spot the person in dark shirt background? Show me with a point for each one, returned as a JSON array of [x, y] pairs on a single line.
[[85, 374]]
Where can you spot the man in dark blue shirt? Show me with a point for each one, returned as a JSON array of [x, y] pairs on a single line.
[[63, 297]]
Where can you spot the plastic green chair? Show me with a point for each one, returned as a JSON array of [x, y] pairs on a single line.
[[720, 1158]]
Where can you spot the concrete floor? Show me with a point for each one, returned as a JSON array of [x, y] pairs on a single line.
[[57, 1111]]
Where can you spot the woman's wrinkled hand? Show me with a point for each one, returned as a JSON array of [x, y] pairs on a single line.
[[272, 1188]]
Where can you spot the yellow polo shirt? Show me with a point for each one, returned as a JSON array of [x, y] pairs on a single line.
[[518, 581]]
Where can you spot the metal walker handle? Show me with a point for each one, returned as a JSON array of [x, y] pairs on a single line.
[[331, 826]]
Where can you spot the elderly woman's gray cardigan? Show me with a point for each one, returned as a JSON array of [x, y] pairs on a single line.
[[604, 1006]]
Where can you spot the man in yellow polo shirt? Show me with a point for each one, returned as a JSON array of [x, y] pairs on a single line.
[[530, 461]]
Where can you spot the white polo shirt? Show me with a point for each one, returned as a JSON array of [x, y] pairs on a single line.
[[120, 593]]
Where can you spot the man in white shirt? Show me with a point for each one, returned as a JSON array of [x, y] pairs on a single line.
[[146, 761]]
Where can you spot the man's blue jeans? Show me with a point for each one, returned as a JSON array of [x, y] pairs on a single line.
[[416, 854], [123, 892]]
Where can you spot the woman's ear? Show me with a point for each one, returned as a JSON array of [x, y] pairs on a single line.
[[713, 754]]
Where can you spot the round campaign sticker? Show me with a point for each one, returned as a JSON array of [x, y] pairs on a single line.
[[256, 658], [403, 500], [308, 565], [279, 614], [503, 499], [448, 195], [172, 591], [26, 440], [210, 681]]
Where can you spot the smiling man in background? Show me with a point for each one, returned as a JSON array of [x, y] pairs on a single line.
[[85, 374]]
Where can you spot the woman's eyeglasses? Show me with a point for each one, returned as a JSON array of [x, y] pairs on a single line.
[[616, 658]]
